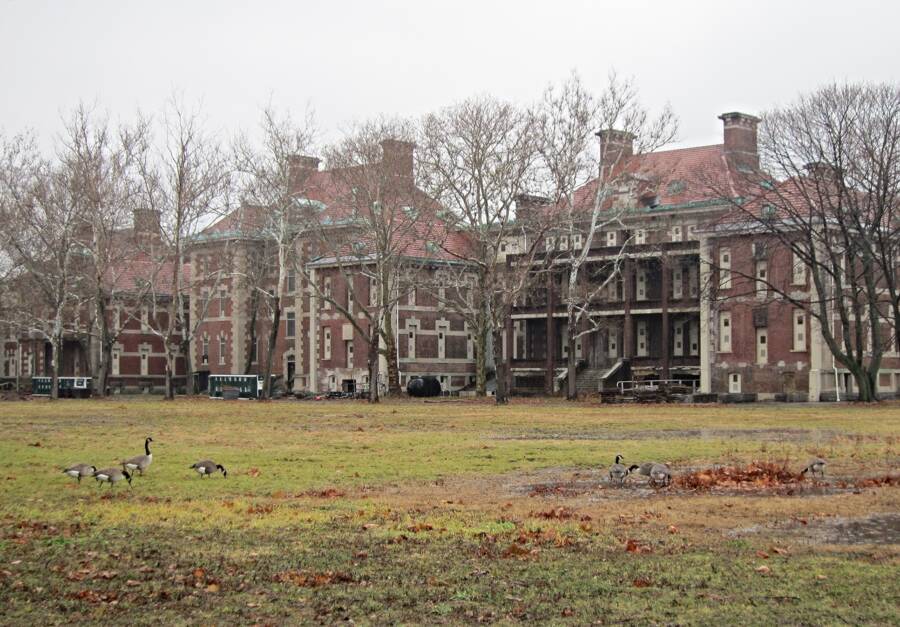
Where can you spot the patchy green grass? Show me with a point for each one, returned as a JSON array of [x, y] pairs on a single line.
[[417, 512]]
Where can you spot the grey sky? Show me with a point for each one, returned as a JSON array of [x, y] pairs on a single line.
[[352, 60]]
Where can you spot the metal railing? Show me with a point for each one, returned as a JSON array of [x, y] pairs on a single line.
[[651, 385]]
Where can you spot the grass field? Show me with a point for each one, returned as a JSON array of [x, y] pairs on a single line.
[[416, 512]]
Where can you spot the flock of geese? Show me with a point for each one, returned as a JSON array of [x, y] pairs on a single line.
[[137, 464], [660, 475]]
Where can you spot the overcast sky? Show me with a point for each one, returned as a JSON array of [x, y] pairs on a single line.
[[352, 60]]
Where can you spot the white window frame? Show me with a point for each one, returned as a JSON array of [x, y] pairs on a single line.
[[223, 347], [725, 269], [762, 277], [725, 331], [734, 382], [612, 238], [798, 324], [116, 361], [640, 236], [677, 282], [411, 331], [676, 233], [290, 324], [326, 292], [326, 343], [442, 341], [762, 346], [798, 270], [576, 241], [612, 343], [348, 347], [145, 361]]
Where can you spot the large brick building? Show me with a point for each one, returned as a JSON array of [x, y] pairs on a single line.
[[689, 301]]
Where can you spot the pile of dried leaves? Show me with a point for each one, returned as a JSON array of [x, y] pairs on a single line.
[[755, 475]]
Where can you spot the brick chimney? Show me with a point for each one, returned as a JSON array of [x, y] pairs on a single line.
[[615, 148], [740, 139], [397, 157], [146, 223], [527, 206], [299, 169]]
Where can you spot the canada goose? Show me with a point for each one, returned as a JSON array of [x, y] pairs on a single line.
[[644, 469], [208, 467], [112, 476], [660, 474], [618, 471], [815, 466], [141, 462], [80, 470]]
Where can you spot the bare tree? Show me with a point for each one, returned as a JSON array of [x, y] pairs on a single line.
[[185, 180], [273, 182], [377, 238], [102, 163], [580, 181], [476, 158], [41, 213], [827, 191]]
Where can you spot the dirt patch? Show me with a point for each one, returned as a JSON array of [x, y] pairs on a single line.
[[879, 528], [762, 435]]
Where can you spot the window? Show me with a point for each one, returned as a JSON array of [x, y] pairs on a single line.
[[695, 338], [326, 293], [799, 330], [350, 299], [725, 268], [692, 232], [693, 281], [222, 350], [798, 277], [640, 236], [470, 347], [643, 339], [762, 273], [576, 241], [145, 361], [677, 282], [204, 350], [734, 383], [348, 346], [564, 242], [678, 346], [326, 343], [290, 324], [762, 349], [221, 303], [117, 319], [145, 319], [412, 296], [549, 243], [411, 341], [725, 332], [373, 292], [613, 344], [291, 282], [442, 341], [115, 362], [611, 238], [676, 233], [641, 284], [204, 303]]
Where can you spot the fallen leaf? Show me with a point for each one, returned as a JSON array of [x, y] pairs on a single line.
[[213, 587], [199, 573], [673, 529], [641, 582], [763, 570], [821, 577], [254, 472], [132, 582], [762, 554]]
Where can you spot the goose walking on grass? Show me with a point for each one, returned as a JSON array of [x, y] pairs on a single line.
[[208, 467], [80, 470], [141, 462], [618, 471], [660, 475], [815, 467], [112, 476]]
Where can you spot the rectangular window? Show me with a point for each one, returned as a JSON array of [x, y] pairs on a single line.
[[145, 361], [798, 276], [611, 238], [549, 243], [762, 348], [613, 343], [348, 346], [762, 279], [643, 339], [576, 241], [145, 319], [725, 332], [734, 383], [564, 242], [442, 341], [326, 293], [412, 296], [290, 329], [640, 236], [204, 350], [799, 330], [470, 347], [373, 292], [222, 348], [291, 282], [692, 232], [693, 281], [350, 299], [115, 362], [221, 303], [326, 343], [411, 341], [725, 268], [677, 282], [641, 284], [678, 347], [676, 233]]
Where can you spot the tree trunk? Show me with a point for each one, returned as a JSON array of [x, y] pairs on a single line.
[[56, 345], [481, 335], [572, 361], [372, 363], [390, 344], [502, 396], [171, 357], [254, 306], [189, 389], [270, 349]]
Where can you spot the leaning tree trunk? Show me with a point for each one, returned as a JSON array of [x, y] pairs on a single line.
[[270, 349]]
